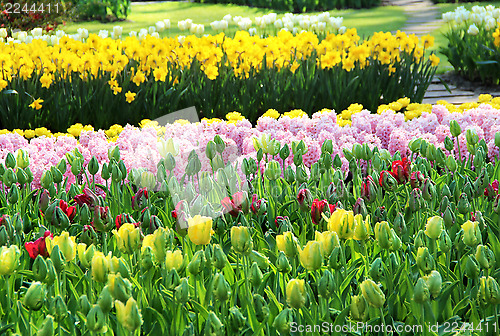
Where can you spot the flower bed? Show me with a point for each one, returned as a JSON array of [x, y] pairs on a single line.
[[89, 82], [473, 43], [190, 247]]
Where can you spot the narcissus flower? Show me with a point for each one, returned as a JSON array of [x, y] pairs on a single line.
[[130, 96], [37, 104]]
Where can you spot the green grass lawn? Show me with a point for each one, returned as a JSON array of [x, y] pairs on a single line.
[[366, 21]]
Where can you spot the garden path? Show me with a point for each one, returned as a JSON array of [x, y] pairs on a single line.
[[423, 17]]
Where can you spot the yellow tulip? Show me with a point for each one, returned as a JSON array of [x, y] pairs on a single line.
[[296, 293], [128, 238], [434, 227], [311, 257], [372, 293], [128, 315], [342, 222], [66, 244], [200, 229], [9, 259], [362, 228], [157, 242], [329, 240], [287, 243], [241, 239], [100, 267], [472, 233], [85, 254], [174, 260]]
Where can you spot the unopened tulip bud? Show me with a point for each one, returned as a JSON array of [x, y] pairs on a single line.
[[182, 291], [360, 208], [100, 267], [372, 293], [489, 290], [13, 194], [485, 257], [236, 320], [47, 327], [39, 268], [434, 283], [51, 273], [60, 310], [444, 242], [172, 279], [197, 263], [58, 258], [425, 261], [421, 292], [428, 189], [383, 234], [35, 296], [120, 288], [146, 258], [105, 300], [296, 293], [380, 215], [221, 287], [455, 129], [472, 268], [96, 320], [359, 308], [444, 204], [369, 189], [305, 199], [415, 202], [255, 275], [362, 228], [400, 224], [416, 179], [451, 163], [377, 270]]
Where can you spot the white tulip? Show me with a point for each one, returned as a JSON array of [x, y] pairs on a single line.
[[252, 31], [133, 33], [342, 30], [118, 30], [473, 30], [103, 34], [3, 32], [160, 26], [181, 38], [278, 24], [37, 31], [227, 17], [60, 33], [151, 29]]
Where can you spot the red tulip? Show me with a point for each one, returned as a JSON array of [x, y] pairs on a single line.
[[70, 211], [317, 208], [38, 246], [491, 190], [401, 170]]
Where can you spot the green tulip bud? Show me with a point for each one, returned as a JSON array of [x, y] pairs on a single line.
[[301, 175], [182, 291], [451, 163], [96, 320], [105, 172], [114, 153], [172, 279], [211, 150], [35, 296], [51, 272], [236, 320], [334, 261], [47, 327], [448, 144], [472, 268], [415, 202], [326, 285], [463, 205], [22, 177], [60, 309], [400, 224], [10, 161], [219, 257], [434, 283], [440, 158], [261, 308], [282, 263], [84, 305], [485, 257], [120, 288], [372, 293], [105, 300], [444, 242], [4, 237], [39, 268], [449, 217], [220, 144], [359, 308], [197, 263], [444, 204], [46, 180], [284, 152], [58, 259], [93, 165], [377, 270], [221, 287], [383, 234], [10, 177], [455, 129], [13, 194], [147, 258], [489, 290], [255, 275], [425, 261], [421, 293]]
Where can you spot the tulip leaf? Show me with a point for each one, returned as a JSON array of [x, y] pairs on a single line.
[[445, 296], [340, 319], [199, 308], [159, 317], [464, 303]]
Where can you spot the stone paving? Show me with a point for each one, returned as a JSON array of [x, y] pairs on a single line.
[[423, 17]]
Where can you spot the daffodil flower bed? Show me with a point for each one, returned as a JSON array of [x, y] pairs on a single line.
[[263, 246], [473, 43], [105, 81]]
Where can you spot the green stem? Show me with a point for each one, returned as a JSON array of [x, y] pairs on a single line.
[[382, 321]]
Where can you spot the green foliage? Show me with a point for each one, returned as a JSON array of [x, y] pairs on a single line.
[[99, 9]]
